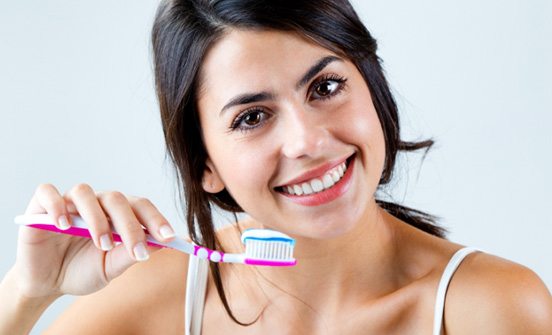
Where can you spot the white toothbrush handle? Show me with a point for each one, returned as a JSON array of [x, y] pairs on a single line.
[[177, 243]]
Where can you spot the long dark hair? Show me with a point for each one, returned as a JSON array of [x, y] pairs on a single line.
[[183, 32]]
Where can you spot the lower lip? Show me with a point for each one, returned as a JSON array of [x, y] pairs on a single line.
[[328, 195]]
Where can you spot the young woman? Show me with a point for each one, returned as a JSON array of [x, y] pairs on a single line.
[[278, 109]]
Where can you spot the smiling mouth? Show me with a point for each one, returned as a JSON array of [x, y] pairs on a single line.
[[318, 184]]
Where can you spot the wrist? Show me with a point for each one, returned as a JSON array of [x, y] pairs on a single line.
[[20, 296], [19, 311]]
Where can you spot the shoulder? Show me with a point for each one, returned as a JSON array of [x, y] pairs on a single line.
[[491, 295], [147, 298]]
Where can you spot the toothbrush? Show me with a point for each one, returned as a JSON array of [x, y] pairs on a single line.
[[262, 246]]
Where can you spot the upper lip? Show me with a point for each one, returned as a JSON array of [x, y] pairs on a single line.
[[316, 172]]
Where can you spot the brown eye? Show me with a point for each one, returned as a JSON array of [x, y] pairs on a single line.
[[326, 88], [252, 119]]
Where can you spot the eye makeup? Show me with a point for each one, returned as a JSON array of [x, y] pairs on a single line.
[[325, 87], [336, 85], [249, 119]]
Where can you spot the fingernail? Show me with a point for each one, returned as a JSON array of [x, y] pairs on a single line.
[[166, 232], [140, 252], [63, 223], [105, 242]]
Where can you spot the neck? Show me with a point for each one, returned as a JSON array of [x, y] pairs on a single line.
[[360, 260]]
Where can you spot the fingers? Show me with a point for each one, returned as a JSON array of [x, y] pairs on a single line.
[[150, 216], [47, 199], [84, 200], [125, 222], [128, 215]]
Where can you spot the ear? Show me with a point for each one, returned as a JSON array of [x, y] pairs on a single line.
[[211, 180]]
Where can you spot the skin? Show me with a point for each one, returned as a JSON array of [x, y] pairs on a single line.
[[360, 269], [299, 131]]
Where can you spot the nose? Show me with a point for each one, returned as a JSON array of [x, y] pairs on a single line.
[[305, 134]]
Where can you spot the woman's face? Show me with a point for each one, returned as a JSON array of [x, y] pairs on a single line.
[[280, 117]]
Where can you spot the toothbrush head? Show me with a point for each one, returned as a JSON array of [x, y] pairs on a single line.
[[268, 247]]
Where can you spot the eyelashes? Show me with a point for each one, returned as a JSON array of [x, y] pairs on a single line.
[[324, 88], [327, 86], [249, 119]]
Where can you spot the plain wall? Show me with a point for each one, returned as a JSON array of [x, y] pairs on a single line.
[[78, 105]]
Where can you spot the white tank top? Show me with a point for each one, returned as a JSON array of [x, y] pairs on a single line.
[[196, 285]]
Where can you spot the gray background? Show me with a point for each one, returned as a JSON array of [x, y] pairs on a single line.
[[77, 105]]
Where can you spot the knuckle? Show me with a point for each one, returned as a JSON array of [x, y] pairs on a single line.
[[115, 197], [44, 187], [135, 229], [81, 188], [49, 198], [142, 202], [52, 203]]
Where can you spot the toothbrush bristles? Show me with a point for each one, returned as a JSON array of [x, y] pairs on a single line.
[[269, 250], [268, 247]]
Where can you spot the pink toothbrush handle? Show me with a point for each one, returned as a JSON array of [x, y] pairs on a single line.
[[80, 228], [82, 232]]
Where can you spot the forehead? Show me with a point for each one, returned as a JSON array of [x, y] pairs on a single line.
[[249, 60]]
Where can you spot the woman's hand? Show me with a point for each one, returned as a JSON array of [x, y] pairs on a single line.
[[52, 264]]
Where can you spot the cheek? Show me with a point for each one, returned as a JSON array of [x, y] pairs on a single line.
[[363, 123], [243, 172], [242, 164], [365, 130]]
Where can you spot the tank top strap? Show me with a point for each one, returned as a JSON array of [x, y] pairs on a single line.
[[196, 284], [451, 267]]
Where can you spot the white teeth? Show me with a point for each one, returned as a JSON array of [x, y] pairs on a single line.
[[306, 188], [289, 190], [328, 181], [317, 185], [335, 176], [298, 189]]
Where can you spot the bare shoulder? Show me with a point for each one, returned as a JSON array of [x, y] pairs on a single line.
[[491, 295], [147, 298]]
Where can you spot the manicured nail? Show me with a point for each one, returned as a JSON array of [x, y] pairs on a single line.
[[105, 242], [166, 231], [63, 223], [140, 252]]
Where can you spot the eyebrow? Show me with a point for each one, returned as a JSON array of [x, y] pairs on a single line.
[[315, 69], [248, 98]]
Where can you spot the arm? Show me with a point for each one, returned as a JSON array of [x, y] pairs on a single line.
[[19, 313], [491, 295], [147, 299]]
